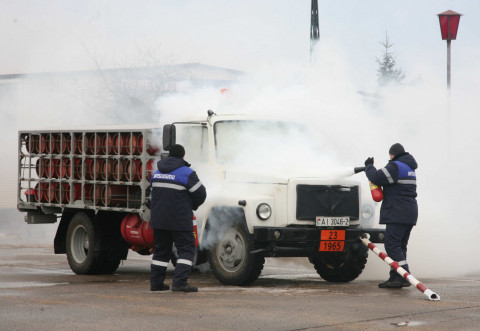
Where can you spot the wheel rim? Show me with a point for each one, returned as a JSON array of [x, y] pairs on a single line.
[[230, 251], [80, 244]]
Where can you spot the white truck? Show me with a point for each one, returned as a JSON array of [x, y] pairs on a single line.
[[255, 208]]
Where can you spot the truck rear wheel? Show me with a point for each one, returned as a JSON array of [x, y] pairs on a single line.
[[230, 258], [82, 241], [341, 266]]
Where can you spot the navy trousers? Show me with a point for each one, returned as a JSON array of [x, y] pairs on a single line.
[[185, 244], [396, 241]]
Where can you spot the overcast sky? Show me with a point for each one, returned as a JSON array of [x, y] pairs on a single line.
[[65, 35]]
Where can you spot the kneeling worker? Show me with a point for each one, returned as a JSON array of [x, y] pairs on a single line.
[[176, 191]]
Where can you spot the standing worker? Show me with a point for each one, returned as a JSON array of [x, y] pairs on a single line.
[[399, 209], [176, 191]]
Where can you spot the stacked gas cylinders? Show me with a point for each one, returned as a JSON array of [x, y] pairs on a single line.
[[102, 169]]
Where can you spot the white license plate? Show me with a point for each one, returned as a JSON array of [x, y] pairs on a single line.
[[333, 221]]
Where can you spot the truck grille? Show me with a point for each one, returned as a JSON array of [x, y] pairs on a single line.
[[327, 200]]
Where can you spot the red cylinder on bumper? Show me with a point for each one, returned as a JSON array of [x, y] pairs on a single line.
[[136, 232], [139, 234]]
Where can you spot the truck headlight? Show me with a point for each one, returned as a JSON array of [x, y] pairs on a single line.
[[367, 212], [264, 211]]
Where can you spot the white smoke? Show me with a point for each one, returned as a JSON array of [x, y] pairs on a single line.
[[355, 126]]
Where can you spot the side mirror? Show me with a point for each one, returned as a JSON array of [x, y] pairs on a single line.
[[169, 135]]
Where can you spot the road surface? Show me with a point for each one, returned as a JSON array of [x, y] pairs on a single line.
[[39, 292]]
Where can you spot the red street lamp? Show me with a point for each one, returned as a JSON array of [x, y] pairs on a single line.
[[449, 22]]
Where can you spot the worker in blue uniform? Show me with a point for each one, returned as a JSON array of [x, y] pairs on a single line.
[[399, 211], [176, 192]]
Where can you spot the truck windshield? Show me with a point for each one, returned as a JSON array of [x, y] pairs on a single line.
[[257, 141]]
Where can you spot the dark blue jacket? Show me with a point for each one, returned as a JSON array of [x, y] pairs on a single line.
[[399, 182], [176, 191]]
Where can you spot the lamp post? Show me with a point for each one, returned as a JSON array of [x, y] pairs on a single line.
[[314, 28], [449, 21]]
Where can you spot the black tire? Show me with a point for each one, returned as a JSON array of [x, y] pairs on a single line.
[[83, 246], [230, 258], [341, 266], [108, 266]]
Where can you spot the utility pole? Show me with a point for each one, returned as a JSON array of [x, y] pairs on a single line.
[[314, 28]]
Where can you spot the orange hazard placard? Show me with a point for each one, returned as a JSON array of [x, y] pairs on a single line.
[[332, 240], [332, 235], [331, 246]]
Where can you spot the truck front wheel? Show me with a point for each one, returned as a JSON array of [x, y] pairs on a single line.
[[230, 258], [341, 266], [82, 239]]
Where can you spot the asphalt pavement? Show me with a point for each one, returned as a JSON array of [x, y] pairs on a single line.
[[38, 291]]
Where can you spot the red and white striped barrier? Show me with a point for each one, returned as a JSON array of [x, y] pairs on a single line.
[[402, 272]]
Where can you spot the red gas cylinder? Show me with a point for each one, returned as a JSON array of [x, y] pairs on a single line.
[[130, 170], [138, 170], [31, 143], [139, 234], [55, 168], [132, 144], [94, 143], [48, 169], [77, 168], [94, 168], [49, 195], [107, 144], [67, 143], [62, 193], [78, 143], [139, 143], [45, 144], [117, 171], [96, 193], [114, 196], [107, 169], [40, 190], [377, 193], [136, 232], [119, 143], [56, 144], [64, 170]]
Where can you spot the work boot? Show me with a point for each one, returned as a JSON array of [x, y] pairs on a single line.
[[405, 283], [392, 283], [163, 287], [185, 288]]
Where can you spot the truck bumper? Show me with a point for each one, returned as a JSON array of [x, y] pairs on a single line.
[[301, 241]]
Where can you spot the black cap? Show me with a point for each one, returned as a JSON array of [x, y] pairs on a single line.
[[396, 149], [177, 151]]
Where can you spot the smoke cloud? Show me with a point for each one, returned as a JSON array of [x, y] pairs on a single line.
[[353, 124]]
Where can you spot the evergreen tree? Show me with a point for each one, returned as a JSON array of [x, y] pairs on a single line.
[[387, 72]]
